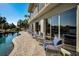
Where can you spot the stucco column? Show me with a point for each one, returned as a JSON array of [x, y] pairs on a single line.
[[34, 28], [30, 28], [43, 28], [77, 41]]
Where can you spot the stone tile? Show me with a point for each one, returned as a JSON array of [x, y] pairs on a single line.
[[25, 45]]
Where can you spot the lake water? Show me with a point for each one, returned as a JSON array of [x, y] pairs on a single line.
[[6, 44]]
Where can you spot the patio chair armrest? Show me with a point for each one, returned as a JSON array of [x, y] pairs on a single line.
[[48, 42], [59, 46]]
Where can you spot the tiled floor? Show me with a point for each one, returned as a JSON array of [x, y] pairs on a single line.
[[25, 45], [53, 53]]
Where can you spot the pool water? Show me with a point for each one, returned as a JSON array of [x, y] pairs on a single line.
[[6, 44]]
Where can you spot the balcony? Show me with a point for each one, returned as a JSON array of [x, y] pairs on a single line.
[[36, 9], [42, 9], [41, 5], [34, 12]]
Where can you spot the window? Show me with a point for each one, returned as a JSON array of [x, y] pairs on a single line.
[[68, 26]]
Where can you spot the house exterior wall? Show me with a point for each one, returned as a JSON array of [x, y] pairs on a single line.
[[57, 10]]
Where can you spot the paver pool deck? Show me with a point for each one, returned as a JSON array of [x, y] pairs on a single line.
[[25, 45]]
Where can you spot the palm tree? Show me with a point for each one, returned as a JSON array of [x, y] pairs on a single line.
[[2, 21], [12, 26], [25, 23], [6, 26], [19, 23], [26, 20], [26, 16]]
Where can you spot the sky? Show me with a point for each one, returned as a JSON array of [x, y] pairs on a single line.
[[13, 11]]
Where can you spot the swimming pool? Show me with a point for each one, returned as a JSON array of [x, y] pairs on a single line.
[[6, 44]]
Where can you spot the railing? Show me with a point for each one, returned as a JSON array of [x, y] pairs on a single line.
[[34, 13], [41, 5]]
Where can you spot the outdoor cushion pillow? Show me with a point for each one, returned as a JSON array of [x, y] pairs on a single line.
[[56, 40]]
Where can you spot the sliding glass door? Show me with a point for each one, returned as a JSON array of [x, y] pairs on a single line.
[[63, 25], [68, 27], [54, 26]]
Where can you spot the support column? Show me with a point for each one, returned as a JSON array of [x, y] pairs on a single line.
[[44, 28], [77, 40], [30, 28], [34, 28]]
